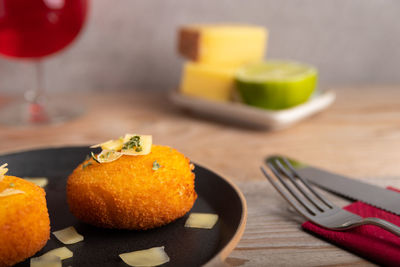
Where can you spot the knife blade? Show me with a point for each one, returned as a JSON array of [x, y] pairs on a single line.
[[349, 188]]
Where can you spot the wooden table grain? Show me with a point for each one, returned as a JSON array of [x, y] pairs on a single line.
[[359, 136]]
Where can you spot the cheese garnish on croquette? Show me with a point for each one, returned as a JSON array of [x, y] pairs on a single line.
[[131, 144]]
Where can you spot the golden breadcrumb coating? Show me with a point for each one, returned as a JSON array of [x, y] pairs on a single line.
[[129, 194], [24, 221]]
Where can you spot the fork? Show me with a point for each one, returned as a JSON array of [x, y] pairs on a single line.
[[311, 205]]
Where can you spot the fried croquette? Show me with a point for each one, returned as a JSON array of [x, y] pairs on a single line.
[[24, 221], [133, 192]]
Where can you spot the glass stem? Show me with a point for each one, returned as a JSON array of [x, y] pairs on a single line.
[[39, 91], [36, 97]]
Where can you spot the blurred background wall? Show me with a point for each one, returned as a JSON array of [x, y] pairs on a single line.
[[130, 44]]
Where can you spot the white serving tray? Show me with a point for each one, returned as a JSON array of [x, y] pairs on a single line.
[[245, 115]]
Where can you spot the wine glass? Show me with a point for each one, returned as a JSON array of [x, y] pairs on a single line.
[[31, 30]]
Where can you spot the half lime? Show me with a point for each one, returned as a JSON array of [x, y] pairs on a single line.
[[276, 84]]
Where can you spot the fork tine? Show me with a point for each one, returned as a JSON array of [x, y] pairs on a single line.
[[296, 174], [307, 195], [292, 202], [294, 193]]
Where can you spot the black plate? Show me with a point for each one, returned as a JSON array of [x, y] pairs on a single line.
[[101, 247]]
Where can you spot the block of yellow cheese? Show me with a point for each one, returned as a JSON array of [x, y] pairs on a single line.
[[222, 44], [208, 81]]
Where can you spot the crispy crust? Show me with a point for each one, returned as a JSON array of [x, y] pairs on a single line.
[[129, 194], [24, 221]]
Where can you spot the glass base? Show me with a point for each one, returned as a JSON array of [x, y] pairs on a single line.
[[29, 114]]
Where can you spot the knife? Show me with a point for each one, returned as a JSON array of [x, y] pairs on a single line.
[[346, 187]]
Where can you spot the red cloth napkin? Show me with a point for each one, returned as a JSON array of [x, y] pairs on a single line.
[[368, 241]]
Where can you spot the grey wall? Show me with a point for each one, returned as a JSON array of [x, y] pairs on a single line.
[[131, 43]]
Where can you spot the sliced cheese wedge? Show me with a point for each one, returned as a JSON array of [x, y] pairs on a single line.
[[63, 253], [221, 44], [46, 261], [201, 220], [68, 235], [208, 81], [148, 257]]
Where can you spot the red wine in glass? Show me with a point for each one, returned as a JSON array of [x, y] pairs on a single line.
[[33, 29]]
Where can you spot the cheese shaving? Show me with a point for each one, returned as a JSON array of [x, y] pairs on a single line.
[[201, 220], [46, 261], [99, 145], [148, 257], [3, 171], [130, 147], [63, 253], [108, 156], [68, 235], [115, 145], [10, 191], [39, 181], [130, 144]]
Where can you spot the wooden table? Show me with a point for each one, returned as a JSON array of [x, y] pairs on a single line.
[[358, 136]]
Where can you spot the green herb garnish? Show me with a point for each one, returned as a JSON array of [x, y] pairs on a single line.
[[11, 185], [156, 166], [86, 165], [87, 158], [133, 143], [106, 155]]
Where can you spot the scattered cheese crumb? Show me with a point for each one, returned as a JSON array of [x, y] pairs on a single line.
[[68, 235], [148, 257], [63, 253], [10, 191], [40, 181], [46, 261], [201, 220]]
